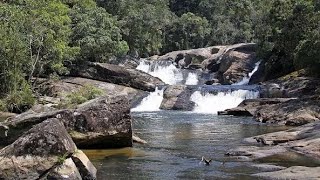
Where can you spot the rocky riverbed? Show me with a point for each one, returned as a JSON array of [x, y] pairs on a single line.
[[43, 142]]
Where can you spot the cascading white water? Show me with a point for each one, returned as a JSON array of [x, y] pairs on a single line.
[[151, 102], [212, 103], [192, 79], [246, 79], [168, 74]]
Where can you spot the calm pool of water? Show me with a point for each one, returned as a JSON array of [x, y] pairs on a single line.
[[176, 143]]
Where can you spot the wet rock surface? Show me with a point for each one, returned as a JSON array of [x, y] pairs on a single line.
[[177, 98]]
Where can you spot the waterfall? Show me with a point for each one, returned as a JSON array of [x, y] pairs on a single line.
[[168, 73], [151, 102], [211, 103], [192, 79], [246, 79]]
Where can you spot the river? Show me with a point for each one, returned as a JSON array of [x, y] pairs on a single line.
[[177, 140], [176, 143]]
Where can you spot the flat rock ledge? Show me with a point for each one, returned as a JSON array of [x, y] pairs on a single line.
[[304, 140], [294, 173], [283, 111]]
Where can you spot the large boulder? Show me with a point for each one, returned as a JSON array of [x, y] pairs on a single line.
[[239, 65], [177, 98], [117, 75], [104, 122], [43, 152], [294, 112], [296, 84]]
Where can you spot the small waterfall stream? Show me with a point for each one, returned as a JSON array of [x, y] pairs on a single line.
[[246, 79], [166, 71], [151, 102]]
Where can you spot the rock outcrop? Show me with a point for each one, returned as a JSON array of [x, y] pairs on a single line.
[[104, 122], [235, 65], [177, 98], [285, 111], [43, 152], [293, 85], [303, 140], [232, 63], [59, 89], [117, 75]]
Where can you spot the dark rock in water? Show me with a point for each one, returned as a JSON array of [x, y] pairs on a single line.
[[117, 75], [212, 82], [40, 153], [235, 112], [104, 122], [177, 97], [59, 89]]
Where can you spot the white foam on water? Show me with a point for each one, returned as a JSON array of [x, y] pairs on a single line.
[[192, 79], [150, 103], [209, 103], [168, 74], [246, 79]]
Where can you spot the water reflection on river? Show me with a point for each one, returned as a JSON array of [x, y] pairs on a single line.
[[176, 142]]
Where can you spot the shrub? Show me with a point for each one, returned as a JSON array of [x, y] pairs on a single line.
[[3, 106], [80, 96], [20, 101]]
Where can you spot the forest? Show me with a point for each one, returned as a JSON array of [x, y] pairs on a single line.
[[39, 38]]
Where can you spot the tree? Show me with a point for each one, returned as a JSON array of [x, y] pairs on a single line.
[[307, 54], [142, 28], [97, 34], [188, 31]]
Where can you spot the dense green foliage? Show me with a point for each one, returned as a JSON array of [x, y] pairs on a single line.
[[39, 37]]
